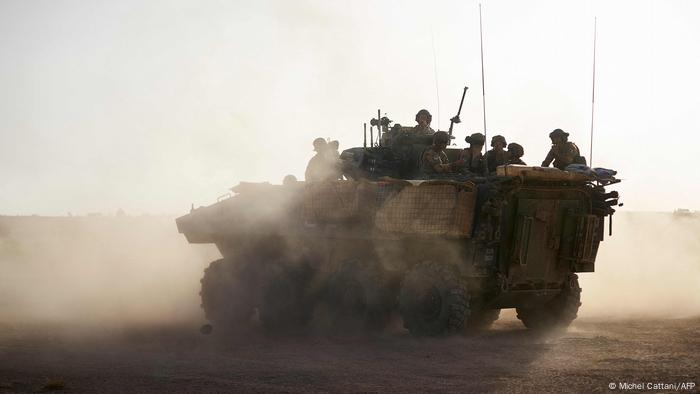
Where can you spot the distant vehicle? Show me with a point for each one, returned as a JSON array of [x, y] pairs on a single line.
[[682, 212], [445, 254]]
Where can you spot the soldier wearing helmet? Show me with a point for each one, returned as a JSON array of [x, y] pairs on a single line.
[[333, 157], [496, 156], [474, 160], [319, 167], [434, 159], [423, 118], [332, 152], [515, 152], [563, 151], [289, 180]]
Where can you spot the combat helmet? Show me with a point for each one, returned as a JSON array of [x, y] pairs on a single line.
[[426, 113], [516, 150], [498, 138], [559, 133], [441, 137], [476, 138]]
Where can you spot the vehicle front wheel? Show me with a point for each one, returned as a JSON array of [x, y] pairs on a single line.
[[228, 296]]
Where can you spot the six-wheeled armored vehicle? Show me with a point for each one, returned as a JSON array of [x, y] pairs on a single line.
[[443, 255]]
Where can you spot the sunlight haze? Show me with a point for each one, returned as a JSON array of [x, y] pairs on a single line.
[[150, 106]]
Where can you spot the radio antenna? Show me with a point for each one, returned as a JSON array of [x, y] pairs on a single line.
[[595, 26], [365, 142], [483, 87], [437, 89], [379, 127]]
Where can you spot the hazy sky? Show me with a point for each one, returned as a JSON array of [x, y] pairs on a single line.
[[149, 106]]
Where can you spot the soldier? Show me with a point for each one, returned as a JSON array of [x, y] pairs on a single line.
[[474, 160], [563, 151], [333, 153], [515, 152], [333, 157], [289, 180], [434, 160], [496, 156], [423, 118], [319, 167]]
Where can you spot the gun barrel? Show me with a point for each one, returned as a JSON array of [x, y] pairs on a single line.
[[455, 119], [464, 93]]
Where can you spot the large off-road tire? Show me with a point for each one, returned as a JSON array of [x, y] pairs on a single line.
[[360, 296], [557, 313], [433, 300], [227, 293], [287, 304]]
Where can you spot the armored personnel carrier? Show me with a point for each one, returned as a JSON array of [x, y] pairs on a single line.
[[443, 255]]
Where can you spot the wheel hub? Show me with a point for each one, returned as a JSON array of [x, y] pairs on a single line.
[[431, 303]]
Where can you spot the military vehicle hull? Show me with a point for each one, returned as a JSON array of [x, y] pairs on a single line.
[[442, 255]]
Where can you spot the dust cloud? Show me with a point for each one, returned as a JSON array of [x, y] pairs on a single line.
[[649, 268], [98, 270], [131, 270]]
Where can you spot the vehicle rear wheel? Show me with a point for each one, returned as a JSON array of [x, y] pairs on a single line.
[[286, 302], [433, 300], [360, 296], [557, 313], [227, 293]]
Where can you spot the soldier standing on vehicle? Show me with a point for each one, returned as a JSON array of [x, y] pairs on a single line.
[[473, 159], [496, 156], [515, 152], [289, 180], [333, 153], [319, 167], [333, 157], [423, 118], [435, 161], [563, 151]]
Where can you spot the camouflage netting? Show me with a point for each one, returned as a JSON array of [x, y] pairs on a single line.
[[338, 201], [430, 209]]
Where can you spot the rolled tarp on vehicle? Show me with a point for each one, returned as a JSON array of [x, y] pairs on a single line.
[[542, 173]]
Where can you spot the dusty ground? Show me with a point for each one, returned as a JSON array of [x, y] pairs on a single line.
[[508, 358], [95, 274]]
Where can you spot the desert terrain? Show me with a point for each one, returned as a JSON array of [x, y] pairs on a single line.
[[587, 358], [109, 304]]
